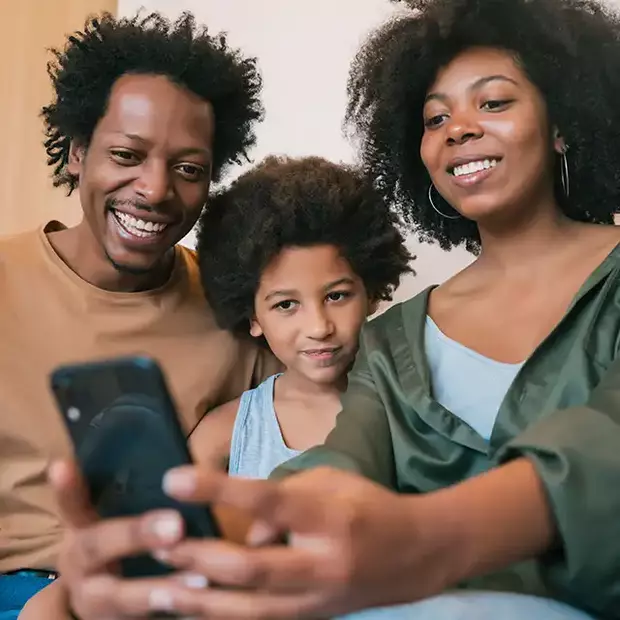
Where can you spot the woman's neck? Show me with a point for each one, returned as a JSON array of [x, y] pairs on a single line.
[[521, 245]]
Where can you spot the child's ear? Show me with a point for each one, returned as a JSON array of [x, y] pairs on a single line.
[[373, 305], [255, 329]]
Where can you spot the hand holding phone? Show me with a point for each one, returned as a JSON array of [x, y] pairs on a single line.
[[126, 435]]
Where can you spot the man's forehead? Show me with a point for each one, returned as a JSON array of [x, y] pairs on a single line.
[[147, 106]]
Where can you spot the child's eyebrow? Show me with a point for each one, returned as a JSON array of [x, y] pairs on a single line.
[[291, 292], [284, 293], [345, 280]]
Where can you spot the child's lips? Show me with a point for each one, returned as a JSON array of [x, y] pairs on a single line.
[[321, 354]]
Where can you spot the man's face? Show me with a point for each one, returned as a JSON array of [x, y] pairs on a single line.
[[144, 178]]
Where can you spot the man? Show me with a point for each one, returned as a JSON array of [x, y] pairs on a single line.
[[145, 115]]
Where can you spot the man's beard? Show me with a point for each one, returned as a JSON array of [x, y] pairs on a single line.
[[130, 270], [113, 203]]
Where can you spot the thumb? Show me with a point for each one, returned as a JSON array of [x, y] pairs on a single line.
[[71, 494]]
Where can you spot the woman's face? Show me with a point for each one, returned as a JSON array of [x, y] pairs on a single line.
[[487, 143]]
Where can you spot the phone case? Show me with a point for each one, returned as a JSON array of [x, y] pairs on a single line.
[[126, 435]]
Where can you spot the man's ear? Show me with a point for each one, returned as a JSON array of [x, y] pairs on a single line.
[[255, 329], [77, 153]]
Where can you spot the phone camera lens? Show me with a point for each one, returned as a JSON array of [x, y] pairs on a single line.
[[73, 414]]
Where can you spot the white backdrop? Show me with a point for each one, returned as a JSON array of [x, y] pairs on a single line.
[[304, 51]]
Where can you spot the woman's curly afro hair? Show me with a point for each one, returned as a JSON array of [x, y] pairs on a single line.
[[570, 49], [286, 202], [84, 72]]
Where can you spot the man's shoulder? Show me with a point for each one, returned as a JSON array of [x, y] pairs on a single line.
[[18, 243], [19, 253]]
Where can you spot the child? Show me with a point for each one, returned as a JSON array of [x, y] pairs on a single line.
[[296, 252]]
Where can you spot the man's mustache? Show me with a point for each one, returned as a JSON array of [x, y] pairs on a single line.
[[115, 203]]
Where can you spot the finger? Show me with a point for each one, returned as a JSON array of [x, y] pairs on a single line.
[[239, 605], [233, 523], [106, 596], [71, 493], [95, 547], [276, 568], [274, 503]]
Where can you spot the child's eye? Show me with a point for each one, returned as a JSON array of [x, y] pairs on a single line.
[[338, 295], [285, 306]]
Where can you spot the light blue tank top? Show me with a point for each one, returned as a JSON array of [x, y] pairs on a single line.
[[257, 446], [466, 383]]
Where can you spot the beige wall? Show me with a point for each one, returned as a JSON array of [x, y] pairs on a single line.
[[304, 50], [27, 29]]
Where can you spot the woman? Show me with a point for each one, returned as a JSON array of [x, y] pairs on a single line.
[[488, 406]]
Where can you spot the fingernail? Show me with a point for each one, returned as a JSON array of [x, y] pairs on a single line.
[[194, 581], [162, 555], [55, 471], [180, 482], [167, 527], [161, 600], [260, 534]]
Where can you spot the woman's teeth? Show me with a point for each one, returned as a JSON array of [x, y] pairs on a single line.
[[474, 166], [138, 227]]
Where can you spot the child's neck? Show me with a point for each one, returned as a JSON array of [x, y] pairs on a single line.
[[306, 411], [298, 386]]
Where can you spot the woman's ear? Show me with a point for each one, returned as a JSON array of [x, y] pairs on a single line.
[[77, 153], [255, 329], [559, 144]]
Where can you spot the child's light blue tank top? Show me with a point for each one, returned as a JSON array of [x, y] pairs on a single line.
[[257, 446]]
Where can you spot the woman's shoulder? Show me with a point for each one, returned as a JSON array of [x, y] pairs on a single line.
[[397, 312], [392, 329]]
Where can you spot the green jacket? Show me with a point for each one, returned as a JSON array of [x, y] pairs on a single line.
[[562, 412]]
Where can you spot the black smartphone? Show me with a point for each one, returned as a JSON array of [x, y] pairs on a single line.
[[126, 435]]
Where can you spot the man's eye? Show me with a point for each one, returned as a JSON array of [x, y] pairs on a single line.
[[124, 157], [191, 172]]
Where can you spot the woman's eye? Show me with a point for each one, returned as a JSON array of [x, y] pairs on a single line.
[[434, 121], [495, 104]]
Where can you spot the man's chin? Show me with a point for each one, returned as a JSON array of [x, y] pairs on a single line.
[[132, 268]]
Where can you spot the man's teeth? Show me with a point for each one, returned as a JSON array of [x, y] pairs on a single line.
[[474, 166], [137, 227]]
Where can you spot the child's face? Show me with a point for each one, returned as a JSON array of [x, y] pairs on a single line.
[[310, 306]]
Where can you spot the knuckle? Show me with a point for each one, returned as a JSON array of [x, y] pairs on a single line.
[[98, 597], [81, 601], [260, 611], [249, 572], [267, 498], [338, 568], [85, 550]]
